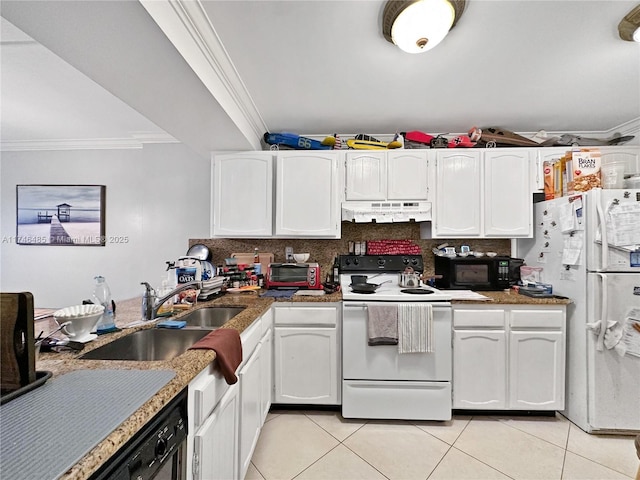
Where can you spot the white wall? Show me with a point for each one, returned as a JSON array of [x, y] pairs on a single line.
[[158, 197]]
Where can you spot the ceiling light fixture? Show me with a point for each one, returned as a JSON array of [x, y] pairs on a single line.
[[416, 26], [629, 27]]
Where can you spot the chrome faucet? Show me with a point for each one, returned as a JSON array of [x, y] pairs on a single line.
[[151, 303]]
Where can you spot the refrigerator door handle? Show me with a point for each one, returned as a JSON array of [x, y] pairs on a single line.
[[604, 250], [604, 309]]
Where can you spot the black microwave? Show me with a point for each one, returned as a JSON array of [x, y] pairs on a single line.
[[476, 273]]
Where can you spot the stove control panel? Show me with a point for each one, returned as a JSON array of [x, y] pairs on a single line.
[[382, 263]]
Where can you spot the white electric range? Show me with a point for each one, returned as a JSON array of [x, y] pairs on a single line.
[[378, 381]]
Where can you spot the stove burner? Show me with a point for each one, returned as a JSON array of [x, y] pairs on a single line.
[[416, 291], [357, 290]]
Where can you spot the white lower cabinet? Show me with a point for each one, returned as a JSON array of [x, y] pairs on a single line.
[[225, 420], [510, 357], [306, 354], [215, 443], [250, 408], [479, 369]]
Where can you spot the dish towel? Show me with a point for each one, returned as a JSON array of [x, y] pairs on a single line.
[[228, 347], [382, 325], [415, 328]]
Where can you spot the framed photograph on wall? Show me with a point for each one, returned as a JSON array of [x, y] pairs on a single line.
[[60, 215]]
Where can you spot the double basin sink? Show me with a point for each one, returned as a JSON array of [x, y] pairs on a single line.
[[164, 344]]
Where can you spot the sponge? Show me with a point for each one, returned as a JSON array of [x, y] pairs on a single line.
[[172, 324]]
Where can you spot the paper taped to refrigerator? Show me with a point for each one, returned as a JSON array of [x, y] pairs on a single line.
[[631, 337], [622, 224], [572, 248]]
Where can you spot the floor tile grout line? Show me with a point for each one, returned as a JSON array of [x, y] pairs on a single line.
[[453, 445], [315, 461], [364, 460], [531, 434]]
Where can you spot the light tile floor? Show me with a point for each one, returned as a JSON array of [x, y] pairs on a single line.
[[323, 445]]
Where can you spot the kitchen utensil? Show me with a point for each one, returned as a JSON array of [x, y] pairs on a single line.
[[409, 278], [17, 344], [80, 321], [355, 279], [301, 257], [200, 251], [366, 287]]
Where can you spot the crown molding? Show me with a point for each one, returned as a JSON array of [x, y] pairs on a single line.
[[136, 141], [187, 26]]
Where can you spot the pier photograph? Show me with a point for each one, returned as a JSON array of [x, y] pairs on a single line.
[[60, 215]]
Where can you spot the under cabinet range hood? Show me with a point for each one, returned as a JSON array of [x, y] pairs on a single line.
[[386, 212]]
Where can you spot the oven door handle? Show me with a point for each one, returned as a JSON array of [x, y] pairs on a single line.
[[359, 306]]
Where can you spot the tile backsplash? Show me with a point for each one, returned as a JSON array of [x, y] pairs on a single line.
[[324, 251]]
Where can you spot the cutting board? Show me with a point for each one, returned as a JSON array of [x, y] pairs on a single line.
[[17, 343], [247, 258]]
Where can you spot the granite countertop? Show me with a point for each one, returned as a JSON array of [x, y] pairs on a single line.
[[185, 366], [511, 297], [190, 363]]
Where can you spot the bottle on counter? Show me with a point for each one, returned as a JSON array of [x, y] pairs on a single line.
[[102, 296], [257, 266]]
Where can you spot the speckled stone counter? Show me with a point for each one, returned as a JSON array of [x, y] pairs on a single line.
[[187, 365], [511, 297]]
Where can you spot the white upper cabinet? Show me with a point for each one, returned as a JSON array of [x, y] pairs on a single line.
[[630, 156], [408, 175], [242, 195], [483, 194], [388, 175], [508, 209], [458, 194], [308, 194], [542, 155], [366, 175]]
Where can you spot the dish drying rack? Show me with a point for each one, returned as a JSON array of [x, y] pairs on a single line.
[[211, 288]]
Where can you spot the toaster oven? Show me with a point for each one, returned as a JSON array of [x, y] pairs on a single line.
[[294, 275]]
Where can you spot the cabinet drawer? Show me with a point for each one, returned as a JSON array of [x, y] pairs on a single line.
[[305, 316], [537, 318], [479, 318], [207, 391]]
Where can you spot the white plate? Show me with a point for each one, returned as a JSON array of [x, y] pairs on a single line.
[[491, 254], [89, 338]]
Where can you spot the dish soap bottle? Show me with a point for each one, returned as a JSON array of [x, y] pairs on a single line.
[[102, 296]]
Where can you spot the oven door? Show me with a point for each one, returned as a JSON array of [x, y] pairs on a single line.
[[174, 468], [383, 362]]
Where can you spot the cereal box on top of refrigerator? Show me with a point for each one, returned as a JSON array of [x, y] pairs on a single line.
[[586, 163]]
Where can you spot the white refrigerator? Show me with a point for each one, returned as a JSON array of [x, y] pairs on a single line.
[[599, 269]]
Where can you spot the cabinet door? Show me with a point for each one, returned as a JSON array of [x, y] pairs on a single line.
[[479, 369], [630, 156], [458, 195], [545, 155], [305, 369], [508, 202], [266, 375], [250, 408], [407, 175], [242, 195], [536, 370], [216, 443], [307, 195], [366, 177]]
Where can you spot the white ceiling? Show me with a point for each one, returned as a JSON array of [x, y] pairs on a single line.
[[312, 67]]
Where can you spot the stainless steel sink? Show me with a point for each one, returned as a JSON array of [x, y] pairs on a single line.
[[210, 317], [148, 345]]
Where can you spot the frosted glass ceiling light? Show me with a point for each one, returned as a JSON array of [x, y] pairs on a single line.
[[418, 26], [629, 27]]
